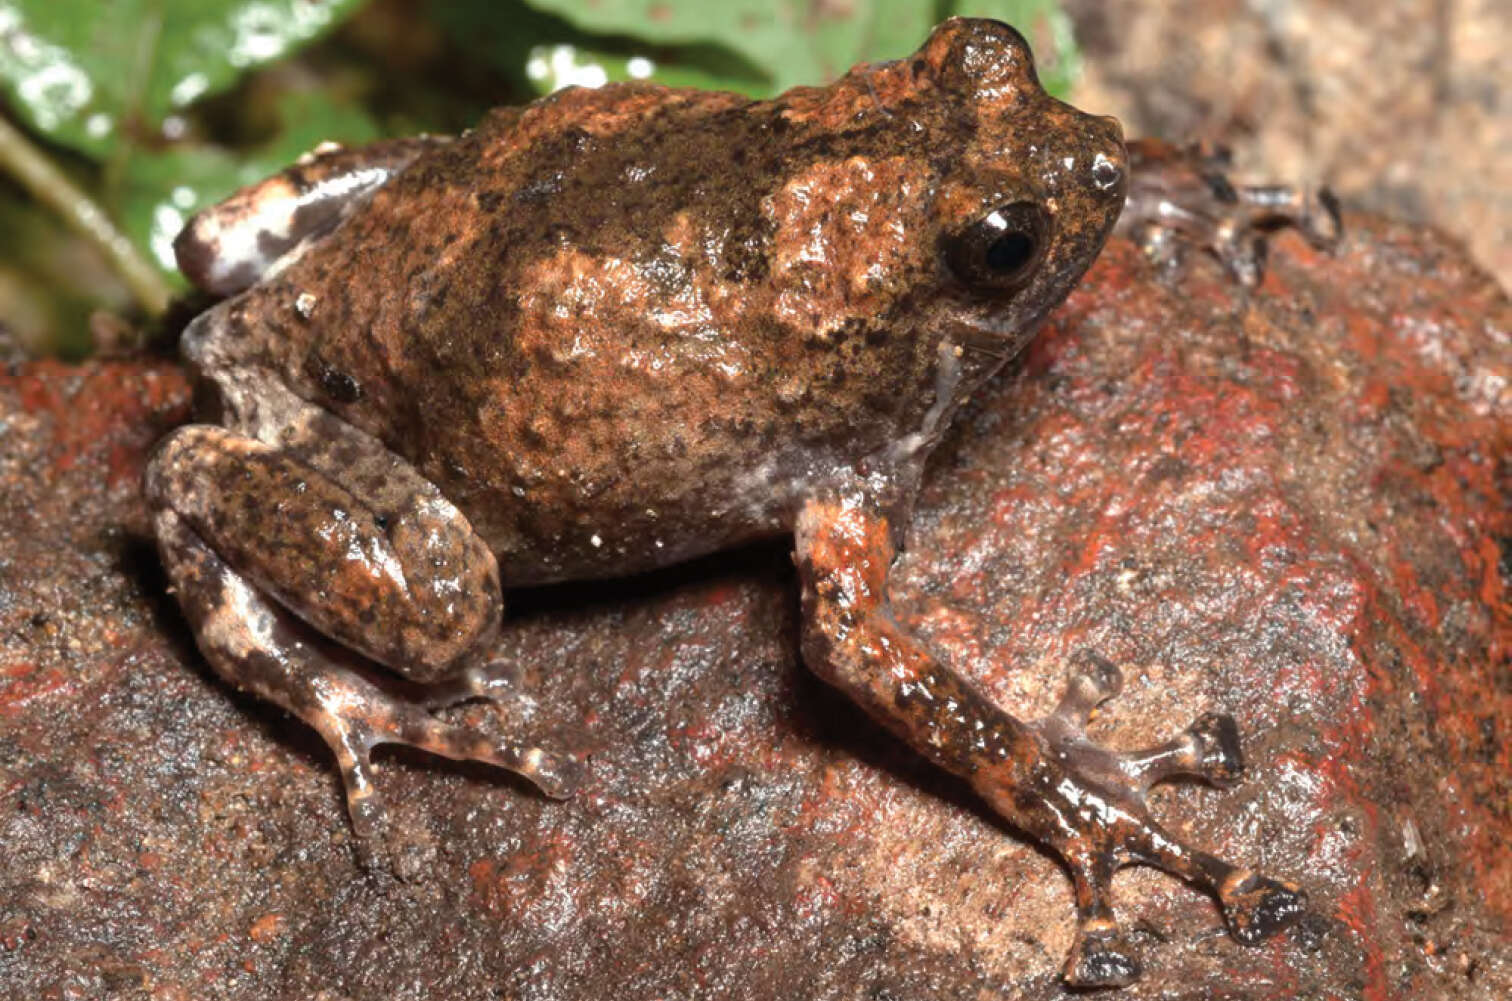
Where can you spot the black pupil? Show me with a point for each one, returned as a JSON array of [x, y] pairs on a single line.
[[1010, 252]]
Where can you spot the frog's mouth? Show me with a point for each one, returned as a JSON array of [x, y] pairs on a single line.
[[1001, 328], [986, 345]]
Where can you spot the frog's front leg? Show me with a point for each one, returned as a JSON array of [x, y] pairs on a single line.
[[312, 531], [1044, 776], [1182, 195]]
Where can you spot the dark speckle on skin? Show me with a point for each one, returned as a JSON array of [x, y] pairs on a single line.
[[337, 386]]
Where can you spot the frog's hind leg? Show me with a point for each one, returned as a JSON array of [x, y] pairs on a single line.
[[292, 514], [330, 522], [262, 648], [402, 580], [227, 247]]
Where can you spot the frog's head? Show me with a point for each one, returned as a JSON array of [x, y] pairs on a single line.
[[925, 216], [1028, 191]]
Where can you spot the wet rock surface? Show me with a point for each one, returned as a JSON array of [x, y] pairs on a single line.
[[1284, 504]]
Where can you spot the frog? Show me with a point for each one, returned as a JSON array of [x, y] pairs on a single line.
[[621, 328]]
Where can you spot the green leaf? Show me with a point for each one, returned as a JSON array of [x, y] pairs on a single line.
[[81, 71], [801, 42], [542, 52], [794, 41], [164, 188], [51, 280], [551, 67]]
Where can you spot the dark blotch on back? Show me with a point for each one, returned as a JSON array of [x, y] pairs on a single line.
[[717, 165]]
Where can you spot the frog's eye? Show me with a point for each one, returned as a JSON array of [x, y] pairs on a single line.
[[1000, 250]]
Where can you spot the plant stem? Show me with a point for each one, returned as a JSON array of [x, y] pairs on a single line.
[[50, 186]]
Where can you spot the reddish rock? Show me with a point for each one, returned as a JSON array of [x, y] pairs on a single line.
[[1284, 505]]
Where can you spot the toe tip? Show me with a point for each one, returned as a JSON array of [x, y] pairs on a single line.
[[1102, 674], [1101, 961], [1217, 737], [1257, 908], [558, 776]]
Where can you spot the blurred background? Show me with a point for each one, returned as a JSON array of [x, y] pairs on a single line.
[[119, 118]]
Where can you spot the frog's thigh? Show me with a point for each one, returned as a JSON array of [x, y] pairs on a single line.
[[1081, 800], [261, 647], [395, 574], [227, 247]]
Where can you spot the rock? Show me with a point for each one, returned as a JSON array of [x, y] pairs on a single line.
[[1283, 504], [1402, 108]]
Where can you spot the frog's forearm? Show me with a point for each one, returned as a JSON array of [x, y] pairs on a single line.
[[906, 690], [850, 636], [851, 639], [1080, 800]]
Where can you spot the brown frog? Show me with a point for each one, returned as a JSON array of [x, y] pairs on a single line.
[[624, 327]]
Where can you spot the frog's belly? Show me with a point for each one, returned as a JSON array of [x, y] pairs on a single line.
[[603, 477], [618, 552], [551, 535]]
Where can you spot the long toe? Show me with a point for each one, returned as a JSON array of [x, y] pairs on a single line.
[[497, 681]]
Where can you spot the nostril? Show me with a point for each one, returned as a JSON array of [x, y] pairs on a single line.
[[1106, 174]]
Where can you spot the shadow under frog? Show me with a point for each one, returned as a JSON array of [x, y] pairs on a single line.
[[621, 328]]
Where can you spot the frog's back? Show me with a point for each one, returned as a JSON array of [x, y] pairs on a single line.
[[568, 320]]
